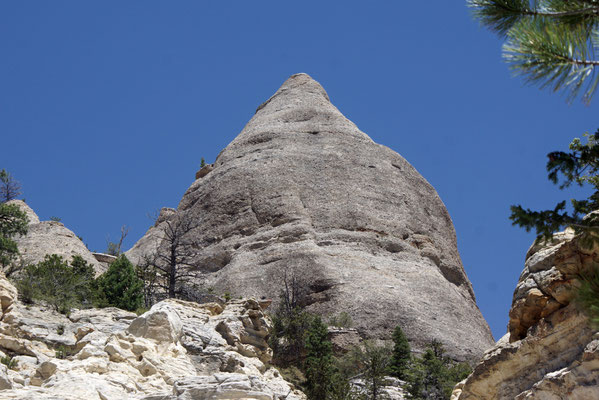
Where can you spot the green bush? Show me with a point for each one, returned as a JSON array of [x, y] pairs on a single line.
[[433, 376], [120, 287], [61, 352], [588, 296], [61, 285], [9, 362], [287, 338], [341, 320]]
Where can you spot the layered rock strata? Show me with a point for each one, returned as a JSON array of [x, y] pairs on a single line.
[[176, 351], [551, 350], [302, 191]]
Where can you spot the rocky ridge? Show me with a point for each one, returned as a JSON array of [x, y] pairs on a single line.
[[177, 350], [302, 190], [51, 237], [550, 350]]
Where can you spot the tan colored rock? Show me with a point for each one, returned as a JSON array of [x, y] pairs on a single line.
[[104, 259], [551, 351], [545, 285], [205, 170], [343, 339], [8, 295]]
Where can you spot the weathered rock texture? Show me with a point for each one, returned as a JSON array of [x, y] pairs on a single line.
[[51, 237], [302, 189], [176, 351], [550, 351]]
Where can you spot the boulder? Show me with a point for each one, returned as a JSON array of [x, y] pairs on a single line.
[[302, 191], [161, 323]]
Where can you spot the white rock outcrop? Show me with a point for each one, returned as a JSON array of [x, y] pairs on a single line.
[[550, 351], [177, 350]]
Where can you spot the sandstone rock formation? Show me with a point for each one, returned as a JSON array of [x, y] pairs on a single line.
[[303, 190], [50, 237], [176, 351], [550, 351]]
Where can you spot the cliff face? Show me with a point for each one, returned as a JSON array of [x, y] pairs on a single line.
[[302, 190], [550, 351]]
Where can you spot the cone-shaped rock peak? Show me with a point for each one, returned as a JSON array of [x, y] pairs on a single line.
[[302, 192]]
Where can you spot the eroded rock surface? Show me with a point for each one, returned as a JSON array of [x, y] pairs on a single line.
[[550, 351], [51, 237], [302, 189], [177, 350]]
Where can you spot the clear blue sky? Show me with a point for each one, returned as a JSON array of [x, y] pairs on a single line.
[[107, 107]]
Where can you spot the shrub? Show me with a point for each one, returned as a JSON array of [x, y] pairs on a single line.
[[588, 296], [61, 352], [55, 282], [433, 375], [9, 362], [120, 287], [341, 320]]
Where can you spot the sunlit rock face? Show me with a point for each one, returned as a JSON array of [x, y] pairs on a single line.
[[301, 189], [176, 351], [551, 350]]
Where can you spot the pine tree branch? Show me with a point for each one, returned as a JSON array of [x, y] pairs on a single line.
[[501, 15], [556, 55]]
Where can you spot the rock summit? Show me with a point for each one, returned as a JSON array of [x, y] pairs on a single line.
[[302, 190]]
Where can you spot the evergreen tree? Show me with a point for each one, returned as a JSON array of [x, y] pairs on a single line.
[[549, 42], [319, 359], [400, 359], [13, 222], [373, 362], [433, 376], [120, 287], [9, 187], [54, 281], [290, 320], [580, 166]]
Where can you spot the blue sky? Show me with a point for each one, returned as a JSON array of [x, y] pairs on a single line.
[[106, 108]]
